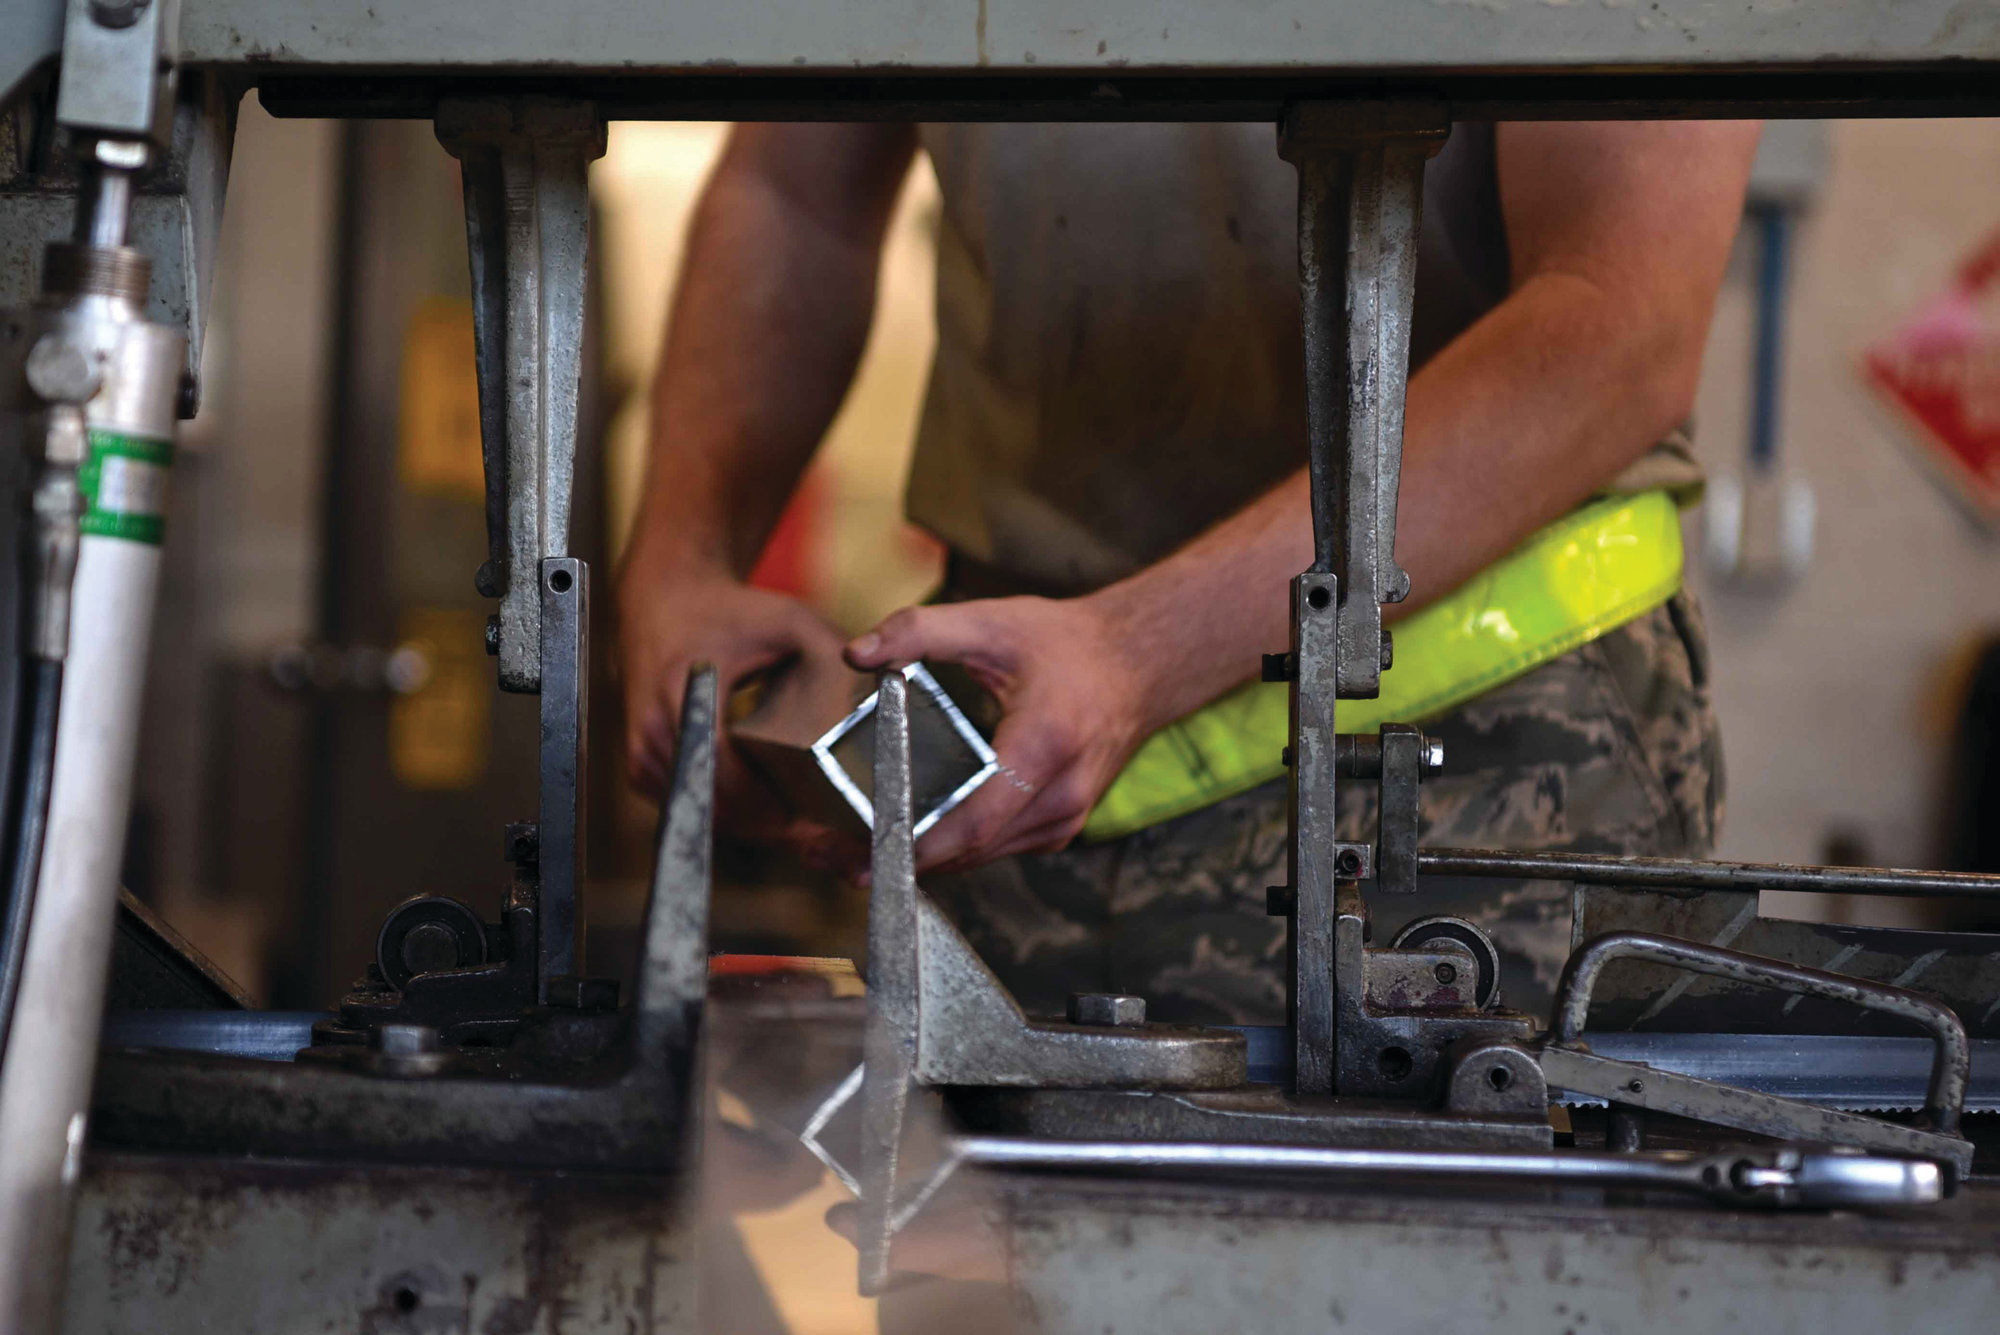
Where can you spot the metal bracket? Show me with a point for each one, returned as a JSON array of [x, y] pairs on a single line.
[[1570, 1066], [1360, 196], [526, 163], [1361, 175], [938, 1016], [119, 58]]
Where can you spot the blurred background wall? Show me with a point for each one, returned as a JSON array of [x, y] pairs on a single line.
[[295, 785]]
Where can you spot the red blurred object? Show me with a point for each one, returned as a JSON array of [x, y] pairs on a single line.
[[1941, 368], [789, 563]]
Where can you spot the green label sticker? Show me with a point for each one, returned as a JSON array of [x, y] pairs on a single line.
[[124, 483]]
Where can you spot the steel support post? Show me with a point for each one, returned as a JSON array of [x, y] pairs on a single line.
[[526, 164], [565, 707], [1360, 194]]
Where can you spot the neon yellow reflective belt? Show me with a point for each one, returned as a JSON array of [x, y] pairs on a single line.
[[1589, 572]]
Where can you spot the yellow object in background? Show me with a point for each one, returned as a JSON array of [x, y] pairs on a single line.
[[438, 432], [438, 733], [1590, 571]]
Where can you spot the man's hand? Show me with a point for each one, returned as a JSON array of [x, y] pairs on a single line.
[[1074, 707], [667, 627]]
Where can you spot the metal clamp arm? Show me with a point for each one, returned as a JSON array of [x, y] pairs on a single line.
[[1950, 1071]]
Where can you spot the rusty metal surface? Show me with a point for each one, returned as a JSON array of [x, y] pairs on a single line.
[[1099, 37], [170, 1245], [1164, 1258], [576, 1090]]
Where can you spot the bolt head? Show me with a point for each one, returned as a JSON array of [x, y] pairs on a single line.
[[1446, 973], [62, 371], [1106, 1008], [493, 636], [118, 13], [404, 1040], [430, 946]]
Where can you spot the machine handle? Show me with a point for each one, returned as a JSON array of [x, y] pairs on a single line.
[[1950, 1070]]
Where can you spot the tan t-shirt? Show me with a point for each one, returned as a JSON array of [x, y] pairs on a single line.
[[1119, 361]]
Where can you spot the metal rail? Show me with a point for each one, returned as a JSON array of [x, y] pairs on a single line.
[[1780, 1177], [1691, 876]]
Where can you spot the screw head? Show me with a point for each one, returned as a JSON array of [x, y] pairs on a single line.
[[1446, 973], [1107, 1008], [493, 636], [61, 371], [1347, 862], [1635, 1086]]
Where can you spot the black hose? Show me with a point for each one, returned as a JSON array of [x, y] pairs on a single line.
[[36, 705]]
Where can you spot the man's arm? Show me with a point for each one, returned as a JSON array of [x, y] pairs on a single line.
[[1618, 234], [772, 311]]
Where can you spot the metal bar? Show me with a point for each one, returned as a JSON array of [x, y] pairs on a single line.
[[1390, 38], [1121, 95], [565, 672], [890, 1042], [1951, 1070], [1691, 876], [1773, 1177], [672, 982]]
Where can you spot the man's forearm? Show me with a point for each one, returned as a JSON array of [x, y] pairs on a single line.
[[769, 321], [1523, 417]]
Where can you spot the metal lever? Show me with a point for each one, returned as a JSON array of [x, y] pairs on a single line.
[[1569, 1065]]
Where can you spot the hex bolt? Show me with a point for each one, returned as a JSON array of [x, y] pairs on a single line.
[[493, 637], [60, 371], [1106, 1008], [1446, 973], [1388, 651], [1432, 761]]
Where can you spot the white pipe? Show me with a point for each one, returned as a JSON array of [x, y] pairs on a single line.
[[52, 1051], [51, 1054]]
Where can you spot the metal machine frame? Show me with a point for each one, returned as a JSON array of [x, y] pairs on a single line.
[[1393, 1052]]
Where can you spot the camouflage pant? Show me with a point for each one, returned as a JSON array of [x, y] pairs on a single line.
[[1611, 748]]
